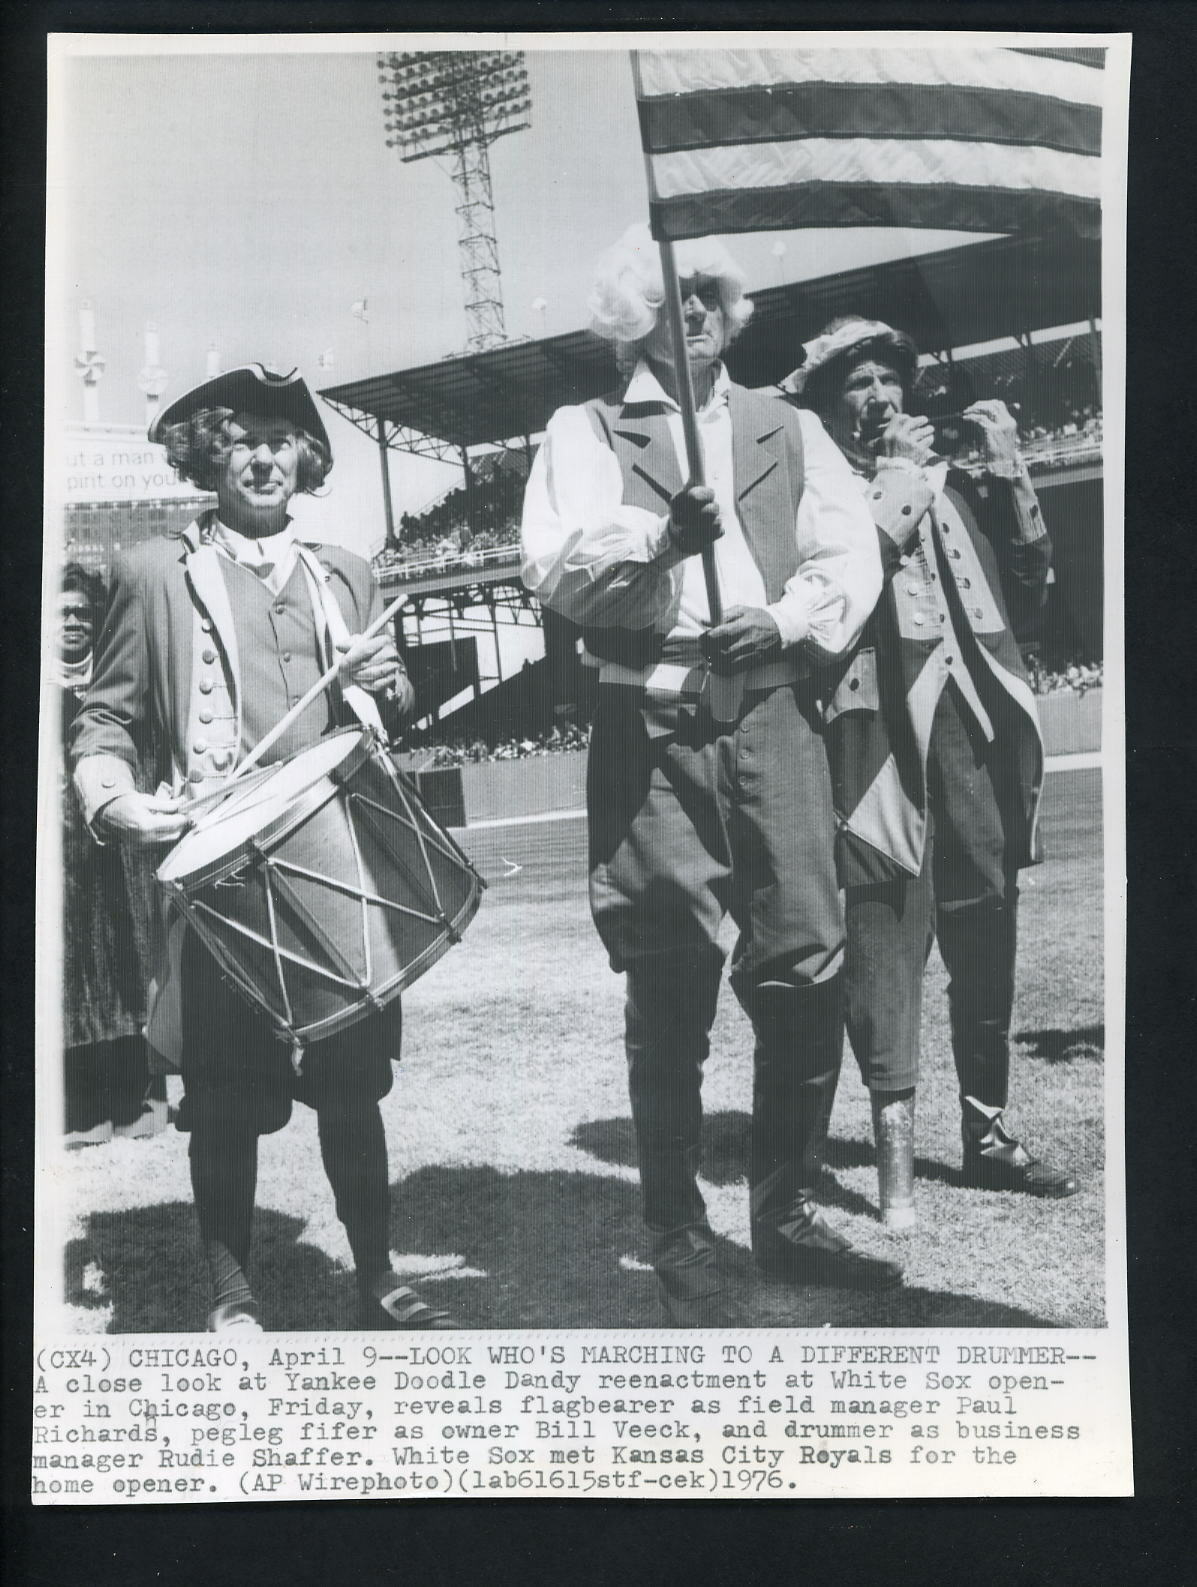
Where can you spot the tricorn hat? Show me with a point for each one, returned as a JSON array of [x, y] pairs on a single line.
[[252, 389], [845, 337]]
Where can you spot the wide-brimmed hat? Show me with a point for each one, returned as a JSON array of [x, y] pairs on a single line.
[[251, 389], [843, 339]]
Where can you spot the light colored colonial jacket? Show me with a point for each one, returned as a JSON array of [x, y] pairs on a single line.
[[990, 559]]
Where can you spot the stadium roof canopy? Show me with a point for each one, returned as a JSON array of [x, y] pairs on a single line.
[[953, 298]]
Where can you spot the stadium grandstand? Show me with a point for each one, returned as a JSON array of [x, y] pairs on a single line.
[[1054, 392], [458, 559]]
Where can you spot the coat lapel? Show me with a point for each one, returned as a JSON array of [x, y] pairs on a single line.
[[762, 475], [764, 490], [650, 451], [758, 441]]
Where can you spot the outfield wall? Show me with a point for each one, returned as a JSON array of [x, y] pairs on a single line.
[[498, 790], [1071, 722]]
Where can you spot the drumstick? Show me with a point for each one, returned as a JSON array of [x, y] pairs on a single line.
[[314, 693], [212, 797]]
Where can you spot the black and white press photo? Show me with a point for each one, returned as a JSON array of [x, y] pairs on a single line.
[[580, 786]]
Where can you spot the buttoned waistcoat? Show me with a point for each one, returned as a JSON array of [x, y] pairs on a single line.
[[169, 596]]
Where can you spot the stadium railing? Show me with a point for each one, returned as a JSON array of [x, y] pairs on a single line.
[[434, 565]]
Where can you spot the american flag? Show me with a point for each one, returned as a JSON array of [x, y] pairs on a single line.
[[956, 137]]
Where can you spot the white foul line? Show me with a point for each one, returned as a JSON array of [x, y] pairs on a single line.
[[1083, 760]]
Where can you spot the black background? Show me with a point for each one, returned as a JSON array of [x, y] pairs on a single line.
[[1095, 1543]]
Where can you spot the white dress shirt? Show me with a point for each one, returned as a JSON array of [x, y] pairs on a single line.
[[579, 538]]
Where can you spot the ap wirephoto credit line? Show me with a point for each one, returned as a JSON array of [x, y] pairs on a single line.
[[580, 785]]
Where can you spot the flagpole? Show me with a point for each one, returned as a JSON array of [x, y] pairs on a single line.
[[681, 368], [685, 393]]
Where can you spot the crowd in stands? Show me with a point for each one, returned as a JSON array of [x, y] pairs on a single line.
[[1050, 387], [1077, 440], [554, 741], [465, 528], [1079, 676], [1057, 406], [426, 558], [1072, 438], [1081, 423]]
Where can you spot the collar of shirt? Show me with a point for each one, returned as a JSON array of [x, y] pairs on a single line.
[[74, 675], [268, 557], [644, 387]]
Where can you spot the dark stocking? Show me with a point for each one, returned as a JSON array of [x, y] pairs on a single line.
[[354, 1148], [224, 1176]]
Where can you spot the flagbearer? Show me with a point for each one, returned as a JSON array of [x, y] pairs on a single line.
[[210, 638], [691, 817], [935, 748]]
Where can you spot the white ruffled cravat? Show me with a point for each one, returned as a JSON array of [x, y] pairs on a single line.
[[272, 558]]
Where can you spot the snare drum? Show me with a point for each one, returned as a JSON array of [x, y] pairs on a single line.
[[323, 887]]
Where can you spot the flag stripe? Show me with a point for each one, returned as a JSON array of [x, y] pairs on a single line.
[[944, 206], [1092, 58], [852, 110], [693, 71], [967, 139], [874, 160]]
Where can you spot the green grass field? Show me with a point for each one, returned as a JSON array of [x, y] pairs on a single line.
[[514, 1190]]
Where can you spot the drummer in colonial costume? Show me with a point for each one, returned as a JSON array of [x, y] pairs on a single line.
[[211, 639], [935, 750], [692, 815]]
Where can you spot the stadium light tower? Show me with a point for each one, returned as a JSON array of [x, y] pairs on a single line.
[[456, 103]]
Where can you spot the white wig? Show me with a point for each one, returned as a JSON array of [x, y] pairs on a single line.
[[628, 289]]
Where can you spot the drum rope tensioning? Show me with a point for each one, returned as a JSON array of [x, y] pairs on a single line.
[[322, 886]]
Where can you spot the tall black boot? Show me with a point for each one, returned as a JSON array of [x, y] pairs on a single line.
[[799, 1048], [670, 1009], [978, 946]]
